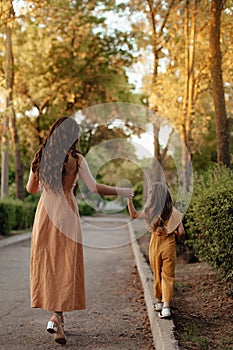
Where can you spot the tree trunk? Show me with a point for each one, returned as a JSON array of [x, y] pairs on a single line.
[[19, 168], [222, 122], [188, 112], [157, 28], [10, 118], [184, 160], [5, 159], [8, 100], [157, 174]]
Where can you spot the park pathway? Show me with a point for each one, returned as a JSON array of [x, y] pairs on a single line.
[[115, 317]]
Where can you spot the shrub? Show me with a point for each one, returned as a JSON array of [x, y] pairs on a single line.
[[209, 220], [7, 216], [19, 215], [138, 196], [85, 209], [15, 215], [24, 213]]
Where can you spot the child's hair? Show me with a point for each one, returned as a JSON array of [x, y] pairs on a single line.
[[158, 208]]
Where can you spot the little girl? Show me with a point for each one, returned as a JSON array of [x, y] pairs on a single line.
[[165, 223]]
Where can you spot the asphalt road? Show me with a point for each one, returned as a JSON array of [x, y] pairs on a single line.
[[116, 316]]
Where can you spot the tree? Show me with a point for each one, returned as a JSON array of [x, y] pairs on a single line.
[[156, 36], [8, 103], [67, 61], [222, 122], [188, 112], [19, 166], [9, 113], [184, 90], [158, 15]]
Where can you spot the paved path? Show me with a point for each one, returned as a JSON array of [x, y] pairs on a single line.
[[115, 317]]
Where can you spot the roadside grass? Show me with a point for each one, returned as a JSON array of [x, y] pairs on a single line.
[[191, 333]]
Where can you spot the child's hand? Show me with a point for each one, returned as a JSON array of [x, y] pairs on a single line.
[[134, 214]]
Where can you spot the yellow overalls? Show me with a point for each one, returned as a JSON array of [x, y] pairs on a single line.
[[162, 255]]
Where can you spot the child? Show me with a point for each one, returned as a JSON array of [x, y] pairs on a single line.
[[165, 223]]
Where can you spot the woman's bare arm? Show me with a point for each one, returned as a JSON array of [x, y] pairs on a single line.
[[102, 189], [33, 183]]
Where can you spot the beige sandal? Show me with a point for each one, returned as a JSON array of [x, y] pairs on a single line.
[[56, 326]]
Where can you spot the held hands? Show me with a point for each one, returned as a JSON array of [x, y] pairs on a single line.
[[125, 192]]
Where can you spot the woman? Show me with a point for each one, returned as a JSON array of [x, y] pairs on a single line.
[[56, 265], [165, 223]]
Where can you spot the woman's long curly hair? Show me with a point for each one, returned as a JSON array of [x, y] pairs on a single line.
[[158, 208], [50, 160]]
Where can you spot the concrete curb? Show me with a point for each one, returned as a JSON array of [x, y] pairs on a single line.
[[14, 239], [162, 330]]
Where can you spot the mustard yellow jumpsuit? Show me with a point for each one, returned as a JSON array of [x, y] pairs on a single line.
[[162, 255]]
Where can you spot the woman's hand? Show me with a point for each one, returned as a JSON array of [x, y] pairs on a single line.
[[125, 192]]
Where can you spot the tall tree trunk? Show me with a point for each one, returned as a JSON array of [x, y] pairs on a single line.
[[188, 112], [8, 99], [157, 174], [10, 119], [5, 158], [222, 122], [157, 28], [185, 100], [19, 167]]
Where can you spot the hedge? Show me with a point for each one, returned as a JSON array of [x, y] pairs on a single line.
[[85, 209], [7, 216], [19, 215], [15, 215], [209, 220]]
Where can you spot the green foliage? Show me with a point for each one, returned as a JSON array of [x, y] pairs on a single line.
[[15, 215], [66, 60], [206, 153], [19, 215], [24, 215], [209, 221], [137, 199], [85, 209], [7, 216]]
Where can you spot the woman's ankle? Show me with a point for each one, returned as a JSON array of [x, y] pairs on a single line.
[[58, 313]]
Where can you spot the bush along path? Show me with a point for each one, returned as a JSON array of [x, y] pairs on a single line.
[[202, 308], [17, 215], [209, 220], [204, 290], [202, 305]]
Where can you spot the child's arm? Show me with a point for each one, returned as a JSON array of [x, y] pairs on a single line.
[[180, 233], [134, 214]]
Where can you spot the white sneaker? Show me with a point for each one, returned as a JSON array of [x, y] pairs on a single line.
[[165, 312], [158, 306]]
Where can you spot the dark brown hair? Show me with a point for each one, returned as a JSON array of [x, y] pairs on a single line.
[[158, 208], [51, 157]]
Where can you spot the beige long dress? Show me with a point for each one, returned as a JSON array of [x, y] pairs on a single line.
[[56, 266]]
